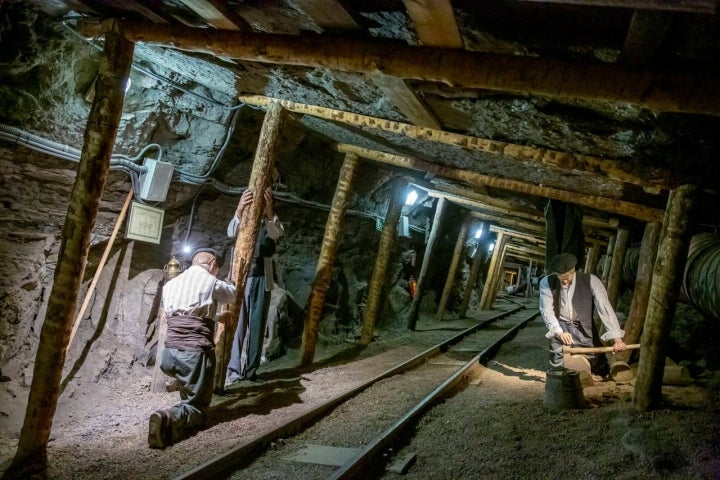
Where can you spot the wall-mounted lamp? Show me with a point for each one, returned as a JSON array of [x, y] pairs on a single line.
[[491, 247]]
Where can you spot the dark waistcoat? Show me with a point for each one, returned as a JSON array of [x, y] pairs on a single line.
[[582, 298]]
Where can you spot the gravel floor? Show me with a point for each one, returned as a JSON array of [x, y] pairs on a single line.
[[496, 427]]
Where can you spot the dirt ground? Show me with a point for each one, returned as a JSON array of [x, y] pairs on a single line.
[[498, 427]]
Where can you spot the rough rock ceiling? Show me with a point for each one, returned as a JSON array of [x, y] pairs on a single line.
[[603, 103]]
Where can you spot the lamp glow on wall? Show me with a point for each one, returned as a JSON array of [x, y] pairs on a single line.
[[479, 232], [411, 197], [491, 247]]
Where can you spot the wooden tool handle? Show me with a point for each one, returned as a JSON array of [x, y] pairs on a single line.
[[632, 346]]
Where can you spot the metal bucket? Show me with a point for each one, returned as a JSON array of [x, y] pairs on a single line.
[[563, 389]]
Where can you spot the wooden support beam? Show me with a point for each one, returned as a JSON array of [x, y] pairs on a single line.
[[83, 205], [435, 23], [695, 6], [377, 281], [402, 96], [495, 265], [326, 260], [593, 257], [503, 221], [608, 261], [616, 265], [477, 261], [452, 271], [215, 14], [260, 179], [330, 15], [427, 258], [641, 292], [516, 234], [620, 207], [652, 180], [497, 278], [667, 277], [690, 90], [647, 31], [490, 205]]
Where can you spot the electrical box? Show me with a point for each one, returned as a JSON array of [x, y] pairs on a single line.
[[154, 183]]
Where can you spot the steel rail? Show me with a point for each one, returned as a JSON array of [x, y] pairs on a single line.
[[357, 465], [242, 455]]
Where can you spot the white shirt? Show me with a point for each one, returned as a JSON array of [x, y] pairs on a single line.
[[600, 300], [196, 292]]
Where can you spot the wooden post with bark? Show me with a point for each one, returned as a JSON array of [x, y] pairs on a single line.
[[528, 286], [593, 257], [498, 276], [471, 282], [260, 179], [492, 270], [83, 205], [641, 292], [616, 266], [333, 230], [429, 248], [608, 261], [387, 238], [667, 278], [457, 254]]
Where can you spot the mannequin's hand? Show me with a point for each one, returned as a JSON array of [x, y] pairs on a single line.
[[565, 338]]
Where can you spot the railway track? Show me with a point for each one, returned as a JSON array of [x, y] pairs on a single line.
[[348, 436]]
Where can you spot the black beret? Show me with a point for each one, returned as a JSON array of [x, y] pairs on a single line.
[[563, 262], [218, 257], [205, 250]]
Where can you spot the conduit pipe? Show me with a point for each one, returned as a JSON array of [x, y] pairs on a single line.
[[701, 278]]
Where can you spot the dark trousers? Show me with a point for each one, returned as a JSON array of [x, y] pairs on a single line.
[[581, 338], [250, 331], [194, 372]]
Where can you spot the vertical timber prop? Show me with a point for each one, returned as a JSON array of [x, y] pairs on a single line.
[[429, 248], [457, 254], [528, 285], [323, 271], [641, 292], [387, 238], [498, 275], [471, 282], [247, 235], [593, 257], [616, 266], [667, 277], [83, 205], [608, 261], [492, 270]]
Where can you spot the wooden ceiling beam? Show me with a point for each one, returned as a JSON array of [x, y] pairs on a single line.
[[527, 227], [217, 14], [652, 180], [404, 98], [690, 90], [487, 202], [646, 32], [693, 6], [435, 23], [512, 233], [330, 15], [620, 207]]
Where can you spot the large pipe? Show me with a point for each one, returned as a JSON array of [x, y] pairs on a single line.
[[701, 278]]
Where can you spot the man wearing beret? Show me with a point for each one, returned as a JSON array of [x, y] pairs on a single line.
[[190, 301], [567, 302]]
